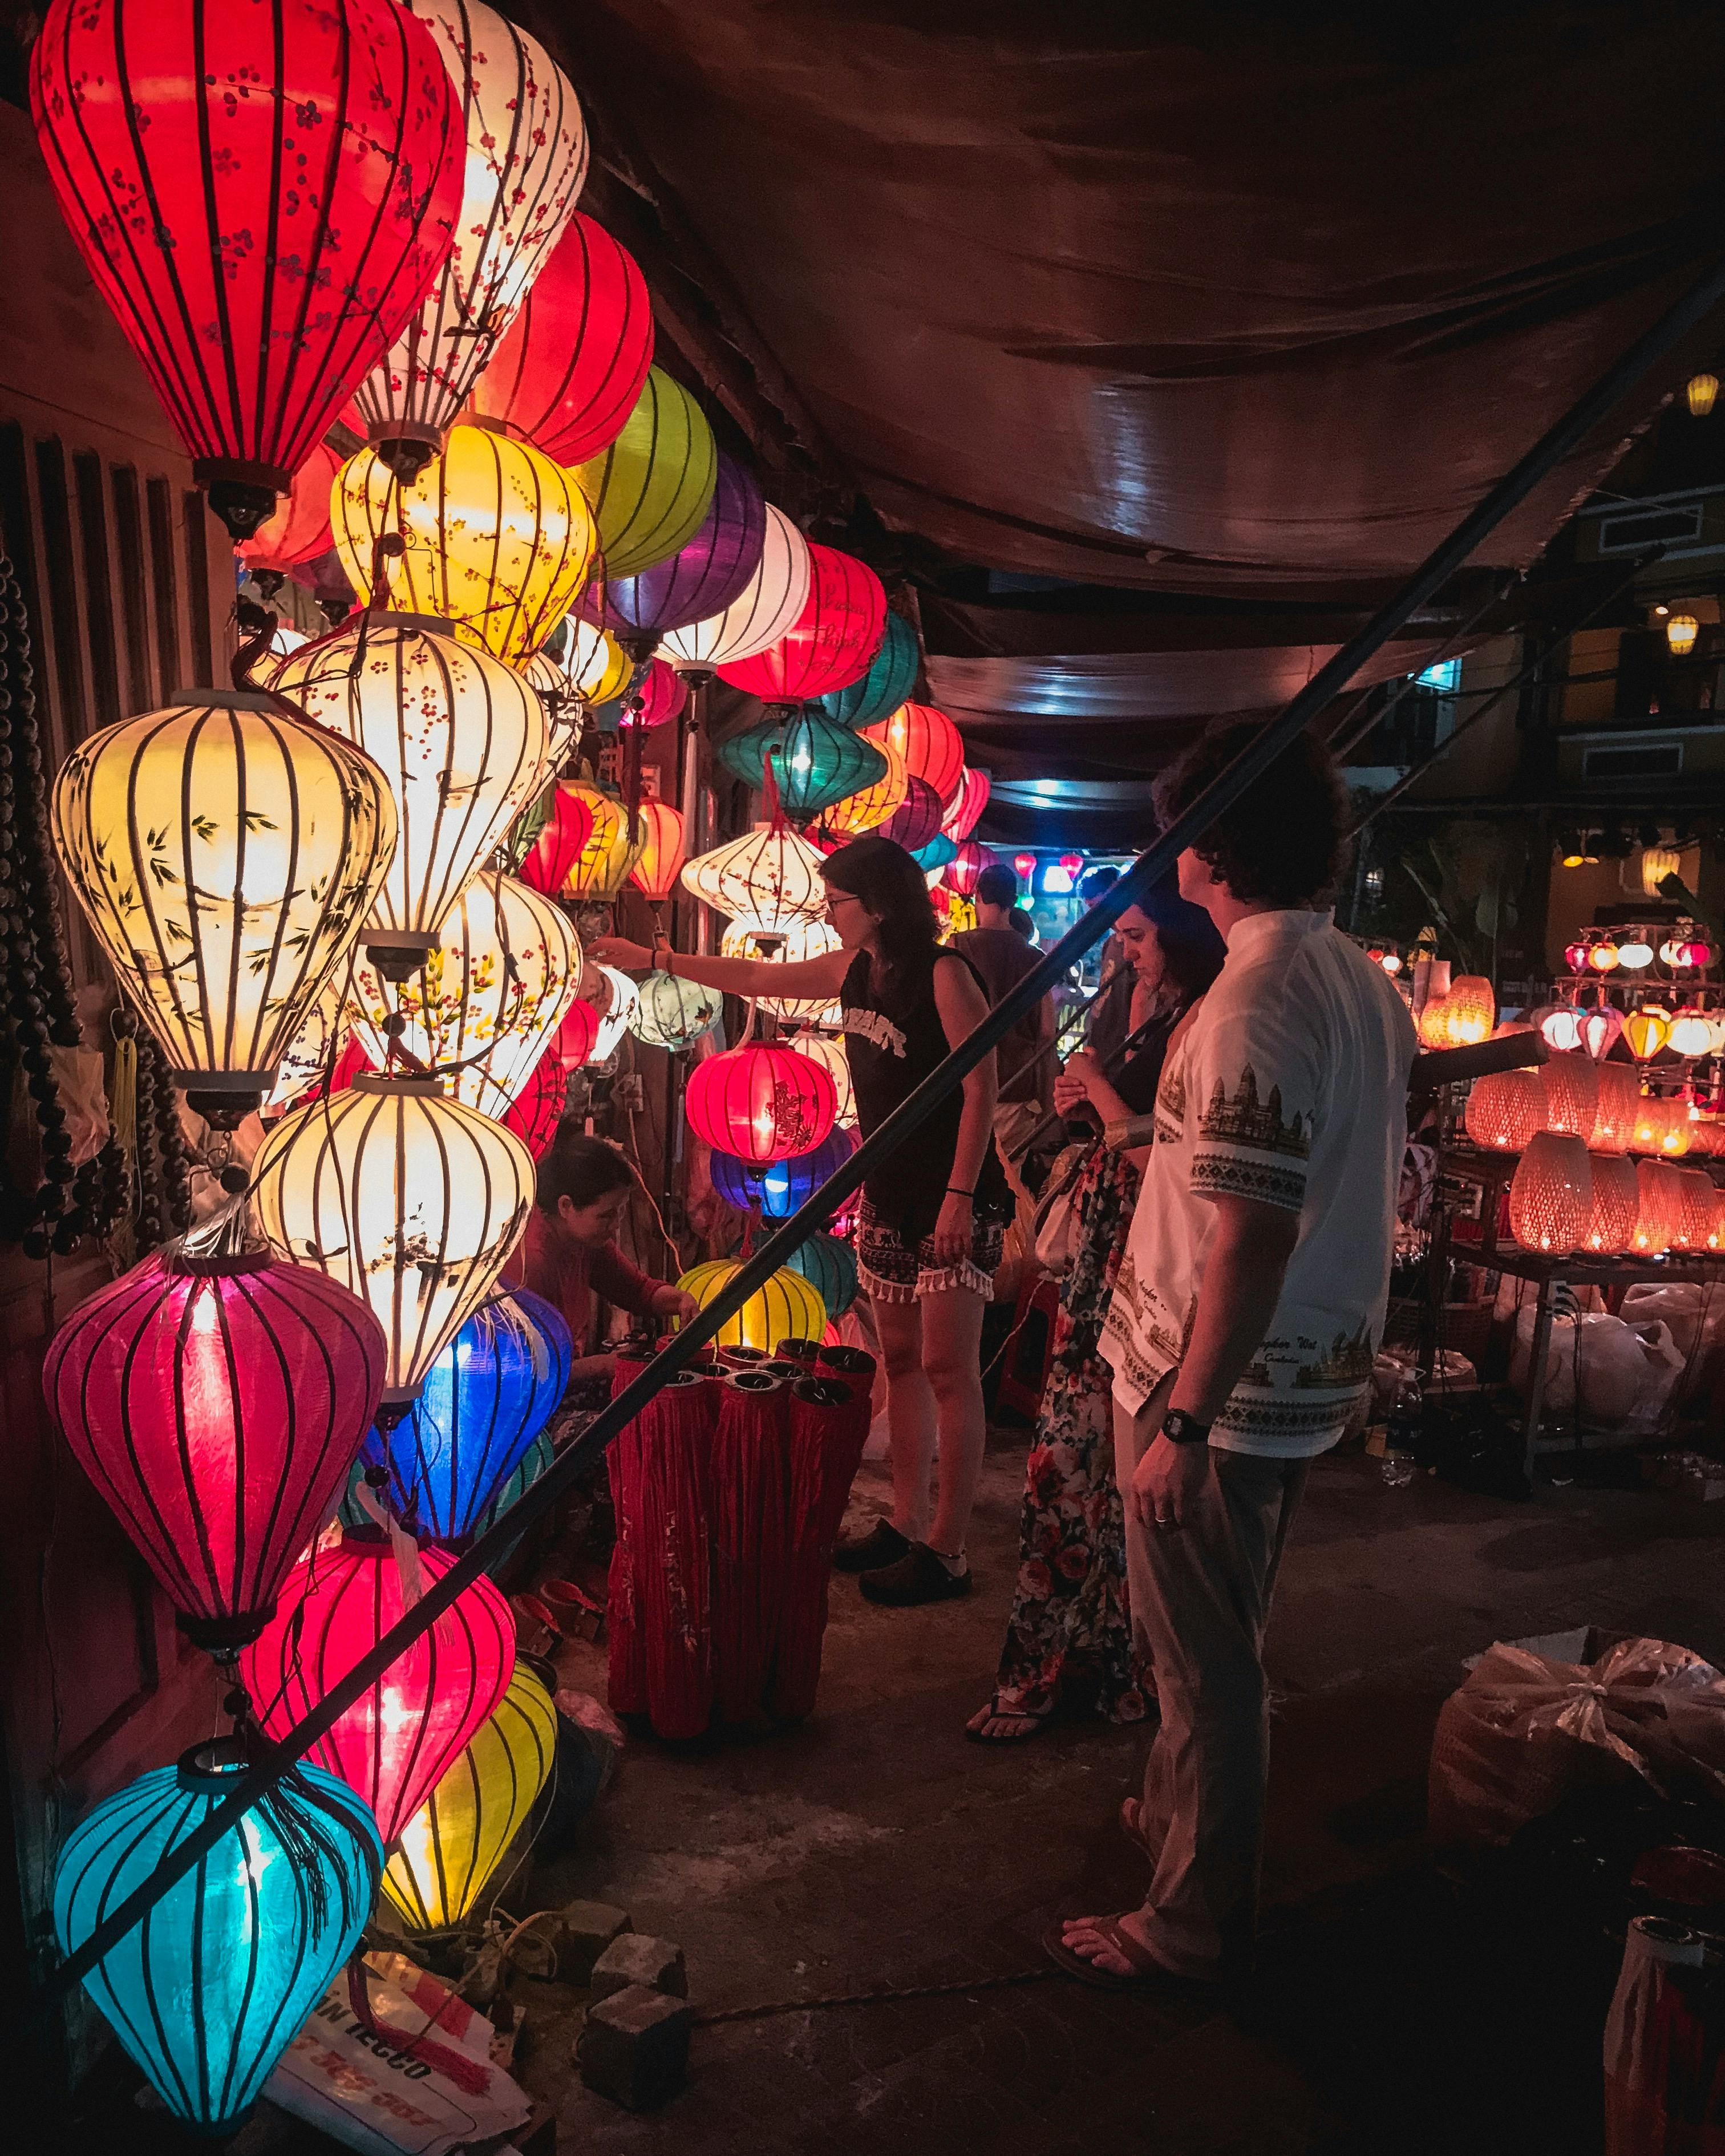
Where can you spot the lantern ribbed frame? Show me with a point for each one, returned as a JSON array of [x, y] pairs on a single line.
[[1691, 1034], [602, 867], [216, 1979], [594, 666], [225, 856], [890, 677], [1601, 1029], [1614, 1208], [917, 817], [497, 540], [1506, 1110], [787, 947], [1551, 1194], [447, 1854], [343, 155], [216, 1406], [1646, 1032], [829, 1267], [930, 744], [1560, 1028], [657, 695], [770, 876], [541, 1105], [672, 1013], [320, 1043], [460, 739], [870, 806], [964, 870], [767, 605], [1620, 1103], [702, 577], [567, 370], [787, 1307], [412, 1200], [830, 1049], [618, 1015], [761, 1102], [401, 1737], [1572, 1095], [651, 486], [967, 804], [1695, 1208], [493, 990], [485, 1399], [526, 162], [298, 530], [782, 1187], [831, 641], [1656, 1214], [660, 862], [815, 761], [1470, 1009], [560, 842]]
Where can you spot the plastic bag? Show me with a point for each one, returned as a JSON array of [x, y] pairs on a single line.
[[1626, 1373], [1525, 1731]]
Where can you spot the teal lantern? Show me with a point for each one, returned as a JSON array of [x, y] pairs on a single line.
[[830, 1267], [672, 1013], [891, 678], [815, 761], [212, 1984], [937, 853]]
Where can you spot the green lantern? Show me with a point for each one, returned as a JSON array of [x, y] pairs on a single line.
[[891, 678], [651, 489], [815, 761], [674, 1013]]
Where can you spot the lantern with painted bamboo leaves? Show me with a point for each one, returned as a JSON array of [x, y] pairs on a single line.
[[786, 1307], [226, 855], [1572, 1095], [491, 995], [672, 1013], [460, 739], [411, 1199], [1551, 1196], [526, 162], [769, 876]]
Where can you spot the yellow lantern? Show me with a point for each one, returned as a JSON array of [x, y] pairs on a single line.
[[493, 991], [610, 853], [448, 1853], [1616, 1208], [660, 860], [496, 537], [461, 740], [411, 1199], [1701, 390], [830, 1049], [861, 812], [651, 489], [226, 856], [1681, 631], [1551, 1197], [1646, 1032], [770, 876], [1470, 1011], [1434, 1025], [788, 1307], [1657, 863], [788, 946]]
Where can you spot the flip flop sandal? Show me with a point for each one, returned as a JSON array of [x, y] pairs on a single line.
[[1038, 1721], [1148, 1974]]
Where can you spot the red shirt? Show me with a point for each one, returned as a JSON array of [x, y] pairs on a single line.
[[568, 1274]]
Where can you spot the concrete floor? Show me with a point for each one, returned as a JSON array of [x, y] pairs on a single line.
[[874, 1847]]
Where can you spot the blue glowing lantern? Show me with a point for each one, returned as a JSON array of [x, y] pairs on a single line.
[[891, 678], [485, 1399], [212, 1984], [830, 1267], [780, 1186]]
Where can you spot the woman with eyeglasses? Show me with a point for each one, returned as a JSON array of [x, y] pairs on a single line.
[[930, 1226]]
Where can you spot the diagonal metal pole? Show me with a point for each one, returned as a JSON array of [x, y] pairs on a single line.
[[1252, 762]]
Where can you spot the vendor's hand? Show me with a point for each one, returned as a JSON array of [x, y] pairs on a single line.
[[675, 1301], [953, 1230], [1165, 1481], [594, 1366], [618, 951]]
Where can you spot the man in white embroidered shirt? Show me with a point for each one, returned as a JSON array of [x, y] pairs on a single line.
[[1241, 1332]]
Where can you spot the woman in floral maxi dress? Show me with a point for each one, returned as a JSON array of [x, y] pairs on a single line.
[[1068, 1621]]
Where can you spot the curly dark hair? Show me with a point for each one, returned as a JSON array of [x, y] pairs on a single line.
[[1283, 842]]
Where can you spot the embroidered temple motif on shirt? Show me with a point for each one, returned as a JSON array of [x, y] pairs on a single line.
[[1242, 1119]]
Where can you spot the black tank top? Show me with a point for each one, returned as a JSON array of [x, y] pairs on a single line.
[[894, 1038]]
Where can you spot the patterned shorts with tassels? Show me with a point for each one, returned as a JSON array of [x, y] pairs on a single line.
[[891, 1271]]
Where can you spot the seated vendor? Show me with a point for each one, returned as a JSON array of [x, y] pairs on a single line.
[[568, 1253]]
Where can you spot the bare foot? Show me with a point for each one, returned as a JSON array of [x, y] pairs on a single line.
[[1079, 1935], [997, 1725]]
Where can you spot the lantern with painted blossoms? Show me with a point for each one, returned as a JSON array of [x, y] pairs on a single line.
[[603, 866], [761, 1102], [791, 945], [768, 875]]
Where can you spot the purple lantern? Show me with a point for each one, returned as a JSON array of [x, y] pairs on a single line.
[[702, 579], [917, 819]]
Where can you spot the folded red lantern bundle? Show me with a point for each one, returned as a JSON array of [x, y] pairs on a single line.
[[748, 1528], [661, 1635], [828, 1427]]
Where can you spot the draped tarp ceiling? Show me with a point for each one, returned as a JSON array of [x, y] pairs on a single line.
[[1230, 301]]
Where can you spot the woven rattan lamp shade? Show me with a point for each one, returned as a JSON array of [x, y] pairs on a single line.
[[1615, 1114], [1470, 1011], [1506, 1110], [1551, 1196], [1695, 1210], [1657, 1216], [1616, 1208], [1572, 1096]]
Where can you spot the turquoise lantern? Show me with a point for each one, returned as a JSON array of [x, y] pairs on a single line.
[[891, 678], [816, 761], [830, 1267], [936, 854], [212, 1984], [672, 1013]]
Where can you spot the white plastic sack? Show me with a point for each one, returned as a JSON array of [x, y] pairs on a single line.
[[1626, 1372]]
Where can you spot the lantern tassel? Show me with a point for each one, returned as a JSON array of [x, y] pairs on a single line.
[[771, 800]]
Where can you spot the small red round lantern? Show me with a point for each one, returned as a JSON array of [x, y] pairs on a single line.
[[1551, 1197], [1071, 863], [831, 641], [561, 841], [658, 695], [1575, 956], [762, 1102], [576, 1039], [298, 530], [966, 867]]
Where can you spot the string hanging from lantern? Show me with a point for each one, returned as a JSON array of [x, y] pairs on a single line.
[[651, 487], [890, 677], [569, 370], [346, 148], [768, 605], [526, 162], [831, 641]]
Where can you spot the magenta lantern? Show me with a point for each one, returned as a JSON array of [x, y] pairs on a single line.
[[965, 869], [658, 695], [917, 819]]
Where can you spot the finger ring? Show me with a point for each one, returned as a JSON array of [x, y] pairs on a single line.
[[1164, 1520]]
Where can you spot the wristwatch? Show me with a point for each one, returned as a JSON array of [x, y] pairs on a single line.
[[1179, 1428]]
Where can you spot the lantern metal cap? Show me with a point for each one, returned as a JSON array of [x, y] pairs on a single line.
[[213, 1764]]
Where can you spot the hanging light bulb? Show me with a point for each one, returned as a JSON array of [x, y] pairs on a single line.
[[208, 1989], [787, 1307], [396, 1741], [215, 1403], [603, 867], [660, 862], [483, 1008], [1701, 391], [526, 162], [449, 1852], [164, 177], [831, 642], [651, 488], [672, 1013], [767, 607], [225, 856], [412, 1200], [460, 739], [768, 875], [789, 946]]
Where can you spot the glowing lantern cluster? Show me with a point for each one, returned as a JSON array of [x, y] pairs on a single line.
[[769, 876], [787, 1307], [226, 856], [831, 641], [762, 1102], [1551, 1195], [1505, 1111]]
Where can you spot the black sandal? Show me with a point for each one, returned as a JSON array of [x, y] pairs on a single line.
[[882, 1545], [997, 1713]]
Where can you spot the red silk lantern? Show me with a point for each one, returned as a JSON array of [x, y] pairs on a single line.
[[569, 368], [967, 804], [966, 867], [575, 1040], [299, 529], [395, 1744], [930, 744], [656, 874], [263, 195], [538, 1108], [1072, 863], [216, 1403], [917, 819], [1024, 866], [561, 841], [831, 641], [762, 1102], [658, 695]]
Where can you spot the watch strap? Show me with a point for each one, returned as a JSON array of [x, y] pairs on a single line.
[[1179, 1428]]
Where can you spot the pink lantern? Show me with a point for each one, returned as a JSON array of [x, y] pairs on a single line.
[[1601, 1028]]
